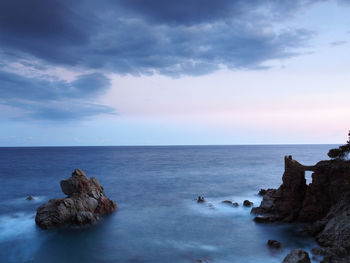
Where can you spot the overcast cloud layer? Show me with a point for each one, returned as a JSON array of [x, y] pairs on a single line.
[[176, 38]]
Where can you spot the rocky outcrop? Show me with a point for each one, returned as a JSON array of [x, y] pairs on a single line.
[[323, 205], [284, 203], [297, 256], [84, 204], [274, 244]]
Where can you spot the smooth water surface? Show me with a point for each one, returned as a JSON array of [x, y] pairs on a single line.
[[155, 187]]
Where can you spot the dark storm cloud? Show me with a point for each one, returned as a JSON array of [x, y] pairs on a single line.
[[188, 37], [53, 99], [134, 36], [206, 11]]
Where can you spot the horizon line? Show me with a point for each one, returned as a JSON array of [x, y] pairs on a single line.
[[167, 145]]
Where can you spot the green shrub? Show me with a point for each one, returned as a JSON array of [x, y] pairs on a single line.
[[340, 152]]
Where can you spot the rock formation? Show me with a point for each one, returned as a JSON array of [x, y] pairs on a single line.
[[247, 203], [297, 256], [274, 244], [323, 205], [84, 204], [30, 198], [200, 199]]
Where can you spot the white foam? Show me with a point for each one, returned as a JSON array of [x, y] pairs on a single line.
[[188, 245], [215, 207], [16, 225]]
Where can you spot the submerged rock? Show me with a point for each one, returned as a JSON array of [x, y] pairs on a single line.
[[30, 198], [247, 203], [297, 256], [85, 203], [200, 199], [228, 202], [274, 244]]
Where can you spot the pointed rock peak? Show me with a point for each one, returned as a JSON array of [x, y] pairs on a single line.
[[78, 172]]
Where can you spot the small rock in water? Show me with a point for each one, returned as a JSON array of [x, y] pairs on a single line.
[[30, 198], [203, 260], [85, 203], [247, 203], [235, 204], [227, 202], [200, 199], [297, 256], [274, 244]]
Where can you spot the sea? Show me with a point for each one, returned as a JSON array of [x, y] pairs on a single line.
[[155, 187]]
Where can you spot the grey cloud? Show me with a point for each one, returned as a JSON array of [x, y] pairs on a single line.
[[173, 37], [189, 37], [338, 43], [54, 100]]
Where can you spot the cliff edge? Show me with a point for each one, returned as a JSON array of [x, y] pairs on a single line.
[[323, 205]]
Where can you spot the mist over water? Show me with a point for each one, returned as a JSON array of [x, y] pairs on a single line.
[[158, 219]]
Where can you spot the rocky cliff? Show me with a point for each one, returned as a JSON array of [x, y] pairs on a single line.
[[323, 205], [84, 204]]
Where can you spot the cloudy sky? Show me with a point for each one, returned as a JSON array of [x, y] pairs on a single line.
[[135, 72]]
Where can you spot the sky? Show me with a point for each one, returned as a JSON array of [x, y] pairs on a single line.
[[175, 72]]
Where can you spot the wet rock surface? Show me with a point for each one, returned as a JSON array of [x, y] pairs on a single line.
[[30, 198], [274, 244], [200, 199], [84, 204], [322, 206], [247, 203], [297, 256]]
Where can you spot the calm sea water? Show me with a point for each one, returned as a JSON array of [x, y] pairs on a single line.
[[155, 187]]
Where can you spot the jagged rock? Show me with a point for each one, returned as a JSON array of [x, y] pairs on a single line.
[[336, 231], [274, 244], [30, 198], [85, 203], [267, 205], [227, 202], [235, 204], [247, 203], [323, 206], [297, 256]]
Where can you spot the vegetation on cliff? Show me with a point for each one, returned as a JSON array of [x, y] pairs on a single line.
[[342, 151]]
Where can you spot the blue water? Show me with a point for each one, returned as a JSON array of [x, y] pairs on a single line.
[[155, 187]]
